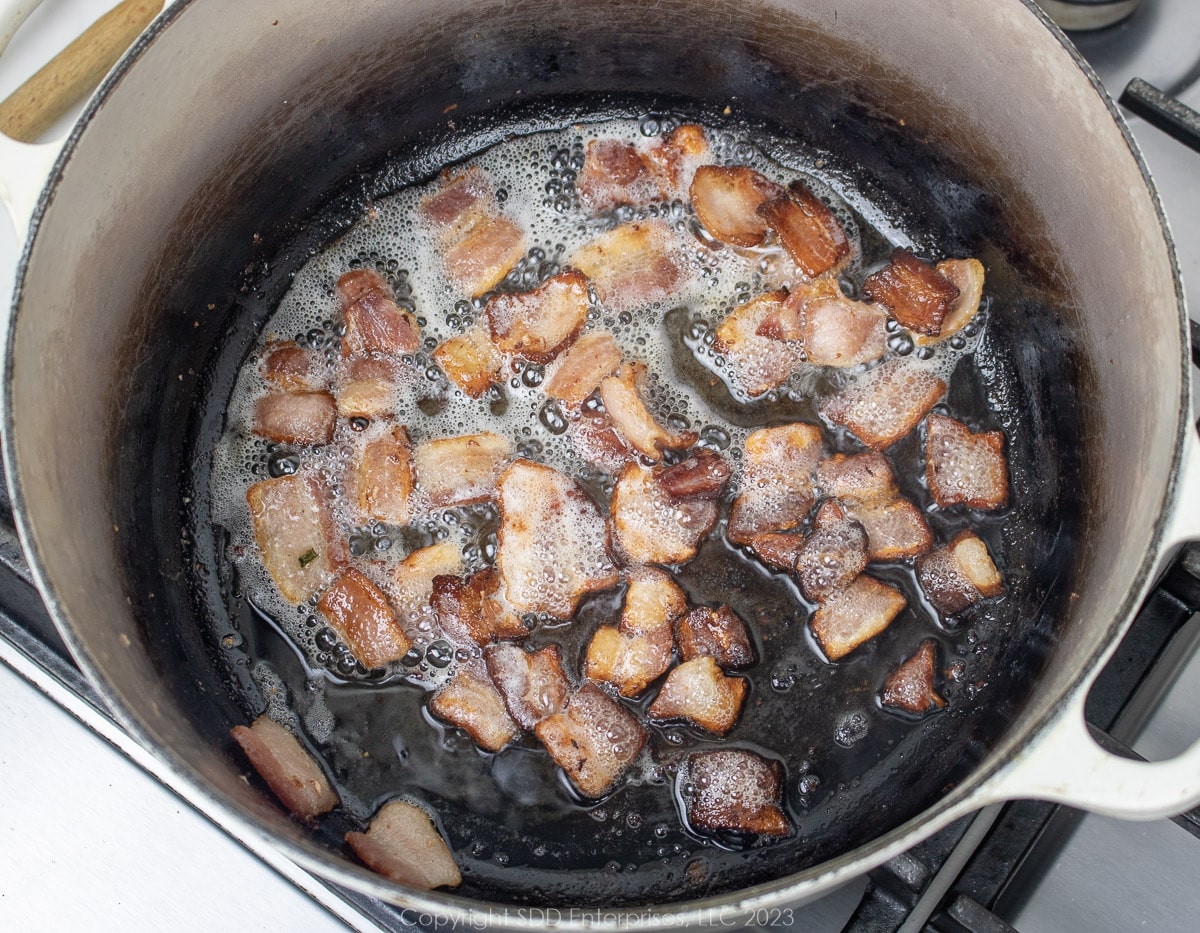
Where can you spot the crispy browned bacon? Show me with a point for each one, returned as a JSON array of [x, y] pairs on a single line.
[[471, 702], [553, 541], [886, 403], [957, 576], [296, 417], [808, 230], [532, 683], [374, 323], [480, 260], [622, 397], [673, 158], [289, 770], [703, 475], [777, 487], [459, 203], [653, 527], [410, 585], [538, 325], [295, 534], [403, 845], [914, 292], [833, 555], [594, 740], [367, 387], [857, 476], [759, 363], [834, 330], [967, 276], [732, 790], [293, 368], [631, 265], [472, 610], [854, 615], [470, 360], [615, 172], [460, 470], [383, 477], [778, 549], [726, 201], [895, 527], [700, 692], [596, 440], [359, 613], [638, 651], [715, 633], [910, 686], [578, 373], [964, 467]]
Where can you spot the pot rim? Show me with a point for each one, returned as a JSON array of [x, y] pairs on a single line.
[[968, 796]]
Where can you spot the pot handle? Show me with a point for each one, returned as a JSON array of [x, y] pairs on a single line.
[[73, 73], [1066, 765]]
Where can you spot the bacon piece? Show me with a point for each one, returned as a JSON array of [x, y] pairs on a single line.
[[537, 325], [480, 260], [553, 541], [597, 441], [460, 470], [636, 653], [615, 172], [289, 770], [778, 549], [910, 686], [896, 528], [777, 488], [834, 330], [296, 417], [532, 682], [470, 360], [594, 740], [703, 475], [383, 477], [459, 203], [578, 373], [808, 230], [654, 527], [700, 692], [727, 199], [957, 576], [967, 276], [294, 531], [715, 633], [886, 403], [833, 555], [471, 702], [471, 610], [914, 292], [292, 367], [410, 585], [631, 265], [732, 790], [374, 323], [684, 147], [857, 476], [368, 389], [965, 467], [404, 845], [622, 399], [759, 363], [855, 615], [359, 613]]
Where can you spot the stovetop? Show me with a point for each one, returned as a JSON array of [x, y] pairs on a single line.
[[93, 839]]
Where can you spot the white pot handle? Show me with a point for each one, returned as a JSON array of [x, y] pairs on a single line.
[[1066, 765], [24, 167]]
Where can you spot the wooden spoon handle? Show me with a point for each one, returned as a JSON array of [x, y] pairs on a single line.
[[75, 71]]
